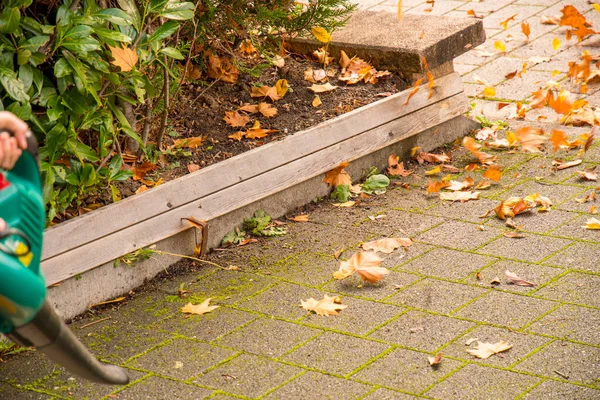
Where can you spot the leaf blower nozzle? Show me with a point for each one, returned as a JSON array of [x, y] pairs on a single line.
[[26, 316], [49, 334]]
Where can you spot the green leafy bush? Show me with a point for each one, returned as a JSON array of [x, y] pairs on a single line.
[[90, 76]]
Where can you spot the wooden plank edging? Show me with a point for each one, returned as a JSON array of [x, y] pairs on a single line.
[[163, 225], [136, 209]]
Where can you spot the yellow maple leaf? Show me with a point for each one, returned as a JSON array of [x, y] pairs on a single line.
[[500, 46], [556, 43], [198, 309], [124, 58], [326, 306], [321, 34]]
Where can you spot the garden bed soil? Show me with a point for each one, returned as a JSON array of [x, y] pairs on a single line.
[[200, 109]]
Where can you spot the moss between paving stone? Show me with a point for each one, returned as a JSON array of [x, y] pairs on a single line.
[[475, 382], [421, 331], [315, 386], [258, 337], [388, 394], [501, 308], [373, 291], [405, 370], [435, 295], [559, 356], [449, 264], [523, 344], [248, 375], [557, 390], [537, 274], [10, 392], [156, 388], [574, 287], [335, 353], [580, 256], [570, 322], [531, 248], [181, 358]]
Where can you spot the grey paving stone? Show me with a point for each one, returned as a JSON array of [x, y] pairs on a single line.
[[268, 337], [341, 217], [315, 386], [435, 295], [181, 359], [404, 255], [405, 370], [578, 206], [556, 193], [541, 47], [155, 388], [494, 71], [534, 221], [575, 287], [557, 390], [335, 353], [407, 200], [530, 248], [581, 256], [248, 375], [464, 69], [352, 319], [506, 309], [205, 327], [376, 291], [576, 229], [480, 383], [401, 223], [303, 268], [570, 322], [469, 211], [448, 264], [10, 392], [282, 300], [486, 6], [437, 9], [522, 345], [387, 394], [421, 331], [458, 235], [520, 88], [530, 272], [226, 287], [559, 356], [26, 368]]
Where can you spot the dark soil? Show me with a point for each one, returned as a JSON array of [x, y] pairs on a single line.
[[200, 109]]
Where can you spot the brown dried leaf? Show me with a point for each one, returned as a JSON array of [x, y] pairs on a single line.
[[416, 88], [459, 196], [193, 168], [235, 119], [299, 218], [326, 306], [338, 176], [513, 235], [493, 173], [395, 168], [328, 87], [486, 350], [560, 165], [516, 280], [589, 174], [222, 69], [140, 171], [525, 29], [387, 245], [433, 361], [265, 91], [365, 264], [199, 309]]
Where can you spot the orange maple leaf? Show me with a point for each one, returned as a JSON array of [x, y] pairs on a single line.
[[493, 173], [365, 264], [235, 119], [338, 176], [124, 58]]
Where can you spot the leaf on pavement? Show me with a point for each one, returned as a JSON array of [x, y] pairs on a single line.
[[457, 185], [510, 207], [493, 173], [365, 264], [500, 46], [326, 306], [346, 204], [433, 361], [559, 140], [513, 235], [459, 196], [525, 29], [470, 144], [387, 245], [433, 158], [299, 218], [589, 174], [338, 176], [436, 186], [395, 168], [124, 58], [556, 43], [516, 280], [199, 309], [399, 10], [530, 139], [560, 165], [235, 119], [592, 224], [573, 18], [486, 350]]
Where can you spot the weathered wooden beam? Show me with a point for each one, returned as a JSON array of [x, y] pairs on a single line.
[[305, 156]]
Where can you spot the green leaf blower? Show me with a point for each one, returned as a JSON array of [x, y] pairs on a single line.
[[26, 317]]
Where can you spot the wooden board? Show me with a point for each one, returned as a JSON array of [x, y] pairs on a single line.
[[136, 209], [260, 186]]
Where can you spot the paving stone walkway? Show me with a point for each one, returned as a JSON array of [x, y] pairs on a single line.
[[261, 344]]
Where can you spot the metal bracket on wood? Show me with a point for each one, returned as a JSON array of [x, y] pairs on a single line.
[[202, 226]]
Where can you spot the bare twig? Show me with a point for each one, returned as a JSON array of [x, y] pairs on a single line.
[[196, 98], [103, 163], [189, 258], [166, 94], [95, 322], [147, 123]]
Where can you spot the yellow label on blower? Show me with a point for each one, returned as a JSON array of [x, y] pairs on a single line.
[[27, 255]]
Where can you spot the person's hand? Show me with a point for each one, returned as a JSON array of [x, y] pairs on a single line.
[[2, 225], [10, 147], [11, 122]]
